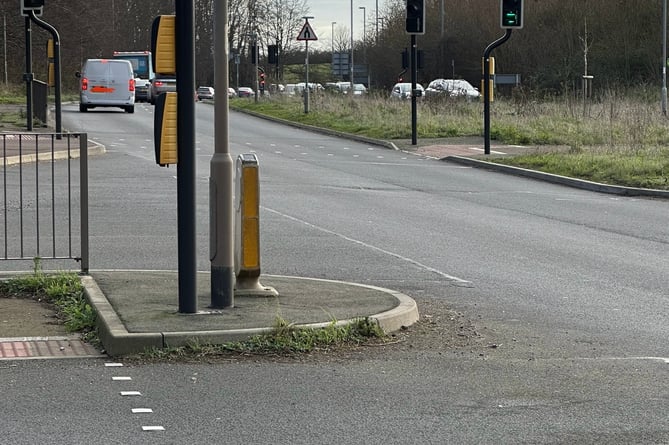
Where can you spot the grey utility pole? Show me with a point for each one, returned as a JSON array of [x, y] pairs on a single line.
[[221, 221], [664, 57]]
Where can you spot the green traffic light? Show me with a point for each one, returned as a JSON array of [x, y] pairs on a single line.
[[510, 19]]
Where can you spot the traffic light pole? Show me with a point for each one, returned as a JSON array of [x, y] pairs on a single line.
[[57, 80], [186, 169], [486, 88], [414, 75]]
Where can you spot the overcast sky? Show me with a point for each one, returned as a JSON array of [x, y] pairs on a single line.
[[327, 11]]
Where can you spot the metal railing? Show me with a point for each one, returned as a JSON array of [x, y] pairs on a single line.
[[43, 203]]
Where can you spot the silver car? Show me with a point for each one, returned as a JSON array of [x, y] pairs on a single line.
[[162, 85], [402, 90]]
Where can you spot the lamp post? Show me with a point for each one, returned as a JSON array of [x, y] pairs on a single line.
[[664, 58], [364, 42], [377, 22], [332, 39], [352, 69]]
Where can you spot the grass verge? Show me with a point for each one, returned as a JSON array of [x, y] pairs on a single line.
[[286, 339], [613, 139]]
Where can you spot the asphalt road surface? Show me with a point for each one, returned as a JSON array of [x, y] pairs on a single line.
[[544, 308]]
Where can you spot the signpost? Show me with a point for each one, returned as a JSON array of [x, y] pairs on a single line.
[[306, 34]]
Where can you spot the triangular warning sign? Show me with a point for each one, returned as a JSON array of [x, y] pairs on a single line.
[[307, 33]]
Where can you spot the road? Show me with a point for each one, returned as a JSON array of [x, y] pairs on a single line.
[[545, 315]]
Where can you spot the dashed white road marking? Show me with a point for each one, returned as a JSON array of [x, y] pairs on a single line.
[[130, 393], [141, 410], [121, 378], [113, 365], [153, 428]]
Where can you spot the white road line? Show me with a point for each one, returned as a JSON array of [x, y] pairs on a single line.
[[491, 151], [113, 365], [141, 410], [369, 246], [121, 378], [153, 428], [130, 393]]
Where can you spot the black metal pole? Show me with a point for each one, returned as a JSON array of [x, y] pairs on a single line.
[[486, 89], [28, 76], [186, 169], [414, 74], [56, 44]]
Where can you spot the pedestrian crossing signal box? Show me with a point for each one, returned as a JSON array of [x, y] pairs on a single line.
[[163, 45], [165, 129], [163, 52]]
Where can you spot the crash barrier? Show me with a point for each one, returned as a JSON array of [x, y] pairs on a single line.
[[44, 200]]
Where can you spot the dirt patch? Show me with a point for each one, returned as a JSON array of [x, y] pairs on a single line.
[[23, 317]]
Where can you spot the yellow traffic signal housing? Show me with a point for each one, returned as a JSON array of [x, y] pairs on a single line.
[[165, 129], [50, 53], [491, 73], [163, 45], [51, 80]]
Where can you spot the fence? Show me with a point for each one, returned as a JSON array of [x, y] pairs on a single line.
[[44, 197]]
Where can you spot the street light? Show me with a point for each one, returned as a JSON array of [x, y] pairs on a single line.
[[352, 65], [332, 39], [364, 22], [364, 36], [377, 22]]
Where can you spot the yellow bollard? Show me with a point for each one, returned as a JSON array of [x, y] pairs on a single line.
[[247, 229]]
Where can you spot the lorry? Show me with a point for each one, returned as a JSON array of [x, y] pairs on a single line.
[[142, 66]]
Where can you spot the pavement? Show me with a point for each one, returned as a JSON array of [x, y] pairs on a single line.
[[139, 309]]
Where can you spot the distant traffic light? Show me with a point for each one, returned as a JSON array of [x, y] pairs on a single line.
[[415, 18], [511, 15], [273, 54]]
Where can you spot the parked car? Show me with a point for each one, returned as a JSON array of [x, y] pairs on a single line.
[[232, 92], [452, 88], [403, 91], [162, 85], [359, 89], [205, 93], [106, 83], [245, 92]]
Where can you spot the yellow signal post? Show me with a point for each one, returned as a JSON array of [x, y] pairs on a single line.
[[247, 229], [165, 129], [491, 86]]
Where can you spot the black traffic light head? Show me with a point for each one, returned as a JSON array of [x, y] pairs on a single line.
[[415, 19], [273, 54], [511, 14]]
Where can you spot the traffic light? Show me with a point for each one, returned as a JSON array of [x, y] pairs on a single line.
[[415, 20], [511, 15], [35, 6], [254, 54], [273, 54]]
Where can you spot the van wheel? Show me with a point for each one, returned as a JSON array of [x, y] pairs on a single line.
[[83, 108], [130, 109]]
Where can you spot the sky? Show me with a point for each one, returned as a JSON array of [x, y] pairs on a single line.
[[327, 11]]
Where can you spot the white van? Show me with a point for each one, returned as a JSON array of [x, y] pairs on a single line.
[[107, 83]]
